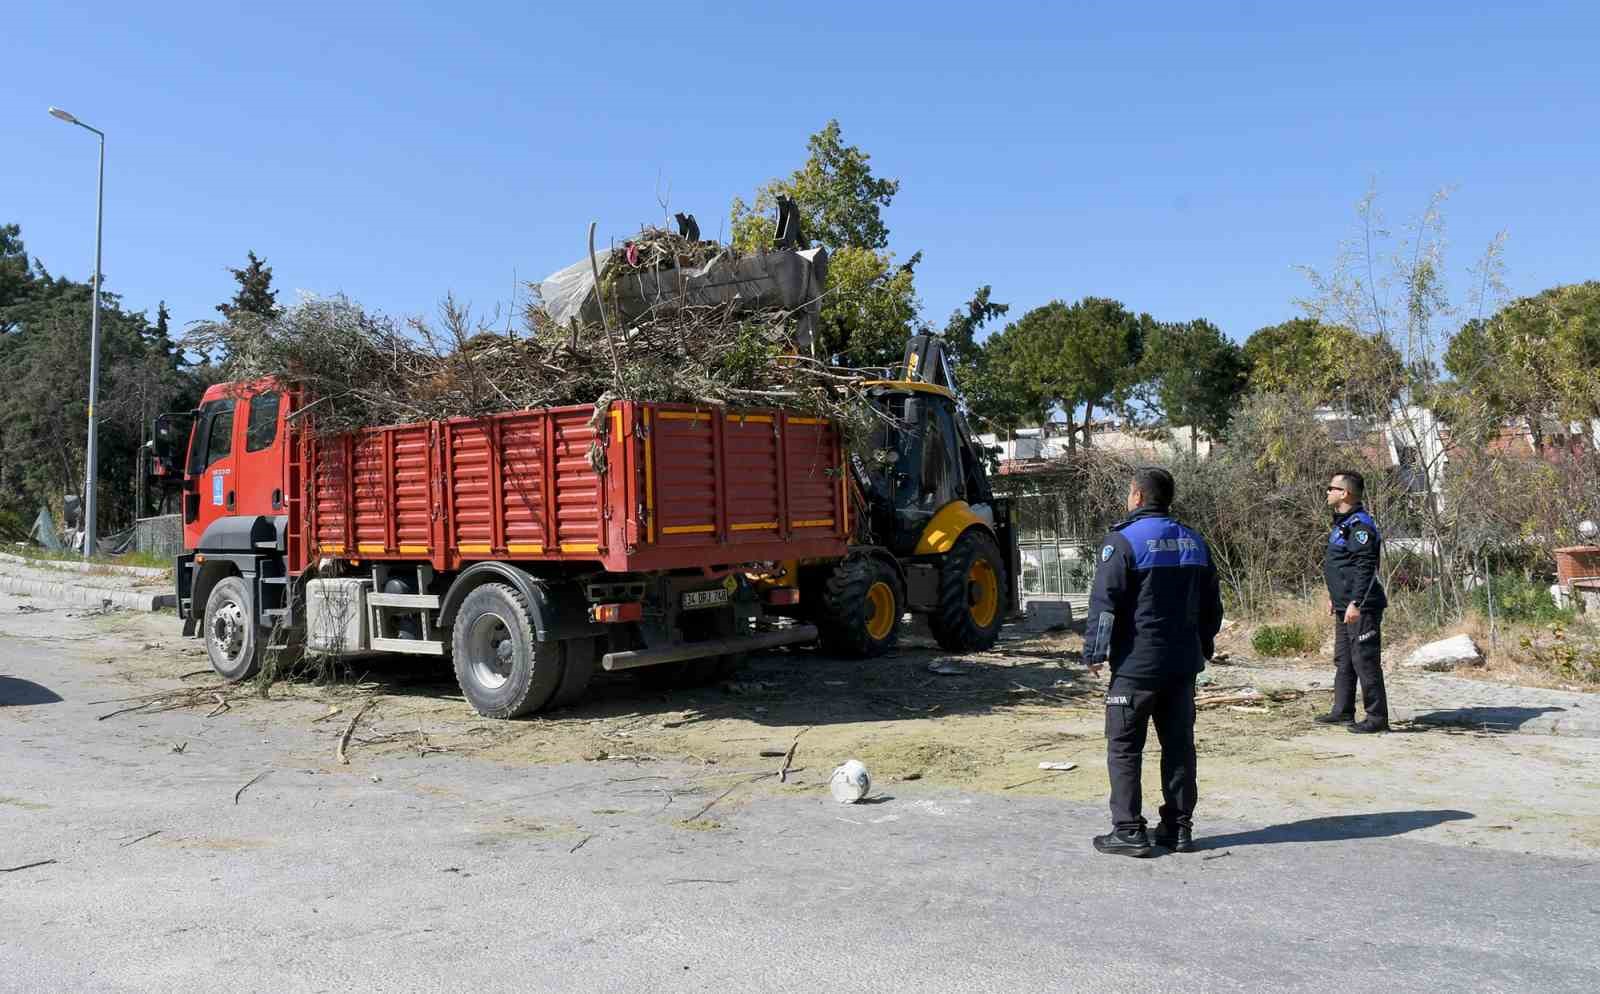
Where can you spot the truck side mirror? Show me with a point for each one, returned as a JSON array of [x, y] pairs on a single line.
[[169, 445]]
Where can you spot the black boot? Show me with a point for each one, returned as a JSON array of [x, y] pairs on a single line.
[[1124, 842], [1177, 838], [1367, 726], [1335, 719]]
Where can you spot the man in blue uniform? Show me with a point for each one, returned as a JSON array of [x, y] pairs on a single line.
[[1356, 600], [1154, 615]]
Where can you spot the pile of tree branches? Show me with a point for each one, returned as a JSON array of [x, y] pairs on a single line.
[[359, 369]]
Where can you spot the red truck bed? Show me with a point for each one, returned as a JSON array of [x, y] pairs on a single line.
[[648, 487]]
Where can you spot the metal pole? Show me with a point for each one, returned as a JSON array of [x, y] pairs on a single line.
[[91, 476]]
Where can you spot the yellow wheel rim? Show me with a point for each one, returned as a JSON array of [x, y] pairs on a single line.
[[983, 593], [880, 611]]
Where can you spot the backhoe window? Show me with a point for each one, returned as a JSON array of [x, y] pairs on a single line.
[[941, 471]]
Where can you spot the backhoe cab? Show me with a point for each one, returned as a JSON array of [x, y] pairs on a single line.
[[930, 537]]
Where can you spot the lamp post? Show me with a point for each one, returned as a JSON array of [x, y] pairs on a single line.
[[90, 476]]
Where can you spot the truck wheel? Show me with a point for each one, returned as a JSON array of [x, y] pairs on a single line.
[[970, 581], [862, 601], [503, 670], [235, 643], [579, 660]]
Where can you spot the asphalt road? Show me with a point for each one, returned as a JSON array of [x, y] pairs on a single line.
[[443, 873]]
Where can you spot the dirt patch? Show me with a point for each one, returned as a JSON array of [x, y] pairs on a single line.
[[982, 722]]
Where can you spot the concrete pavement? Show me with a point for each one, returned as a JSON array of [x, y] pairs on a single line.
[[449, 873]]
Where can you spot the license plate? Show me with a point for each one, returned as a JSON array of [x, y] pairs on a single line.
[[704, 598]]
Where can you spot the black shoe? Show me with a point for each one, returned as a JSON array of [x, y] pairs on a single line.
[[1124, 842], [1367, 726], [1335, 719], [1177, 838]]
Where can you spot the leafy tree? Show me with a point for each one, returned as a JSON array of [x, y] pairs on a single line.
[[1536, 357], [255, 294], [870, 306], [1197, 375], [15, 277], [839, 199], [1330, 364], [44, 336], [1084, 355], [961, 331], [999, 387]]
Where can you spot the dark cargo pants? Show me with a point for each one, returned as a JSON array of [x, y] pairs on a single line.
[[1129, 710], [1358, 658]]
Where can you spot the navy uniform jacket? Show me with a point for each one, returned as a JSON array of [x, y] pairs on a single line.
[[1156, 607], [1351, 566]]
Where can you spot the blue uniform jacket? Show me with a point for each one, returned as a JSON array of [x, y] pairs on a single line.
[[1156, 607], [1351, 565]]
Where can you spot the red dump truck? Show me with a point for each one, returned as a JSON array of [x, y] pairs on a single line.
[[534, 548], [531, 547]]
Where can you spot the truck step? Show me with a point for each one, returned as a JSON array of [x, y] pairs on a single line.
[[415, 647], [414, 602]]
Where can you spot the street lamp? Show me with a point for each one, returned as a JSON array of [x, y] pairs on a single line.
[[94, 340]]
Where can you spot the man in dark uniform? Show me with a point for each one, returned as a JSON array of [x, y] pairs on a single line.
[[1154, 615], [1356, 601]]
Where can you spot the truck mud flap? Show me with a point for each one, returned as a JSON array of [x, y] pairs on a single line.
[[633, 658]]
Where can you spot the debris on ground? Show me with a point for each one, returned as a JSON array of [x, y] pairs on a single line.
[[850, 782], [1447, 654]]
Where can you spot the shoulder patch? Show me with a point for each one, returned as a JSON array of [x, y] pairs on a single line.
[[1105, 553], [1363, 536]]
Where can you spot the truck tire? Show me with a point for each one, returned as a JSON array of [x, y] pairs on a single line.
[[862, 600], [971, 579], [234, 642], [503, 670], [579, 660]]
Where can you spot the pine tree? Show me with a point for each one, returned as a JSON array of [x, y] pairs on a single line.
[[255, 295]]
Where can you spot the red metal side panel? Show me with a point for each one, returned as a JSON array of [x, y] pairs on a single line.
[[685, 478], [410, 466], [577, 488], [371, 494], [522, 465], [750, 455], [467, 483], [328, 486], [812, 451]]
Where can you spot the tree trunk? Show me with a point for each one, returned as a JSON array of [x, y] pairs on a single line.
[[1088, 425], [1072, 435]]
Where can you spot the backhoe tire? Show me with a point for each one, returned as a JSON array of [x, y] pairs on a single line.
[[972, 579], [503, 670], [235, 644], [862, 600]]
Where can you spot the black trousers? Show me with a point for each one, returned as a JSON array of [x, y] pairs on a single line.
[[1358, 658], [1130, 708]]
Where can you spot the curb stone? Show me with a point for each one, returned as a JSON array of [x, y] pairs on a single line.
[[72, 593]]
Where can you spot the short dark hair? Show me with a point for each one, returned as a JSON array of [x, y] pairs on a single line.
[[1155, 484], [1354, 484]]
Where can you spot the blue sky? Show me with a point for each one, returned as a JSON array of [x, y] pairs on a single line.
[[1180, 158]]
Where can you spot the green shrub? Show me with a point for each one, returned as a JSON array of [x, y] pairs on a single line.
[[1281, 640], [1518, 599]]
